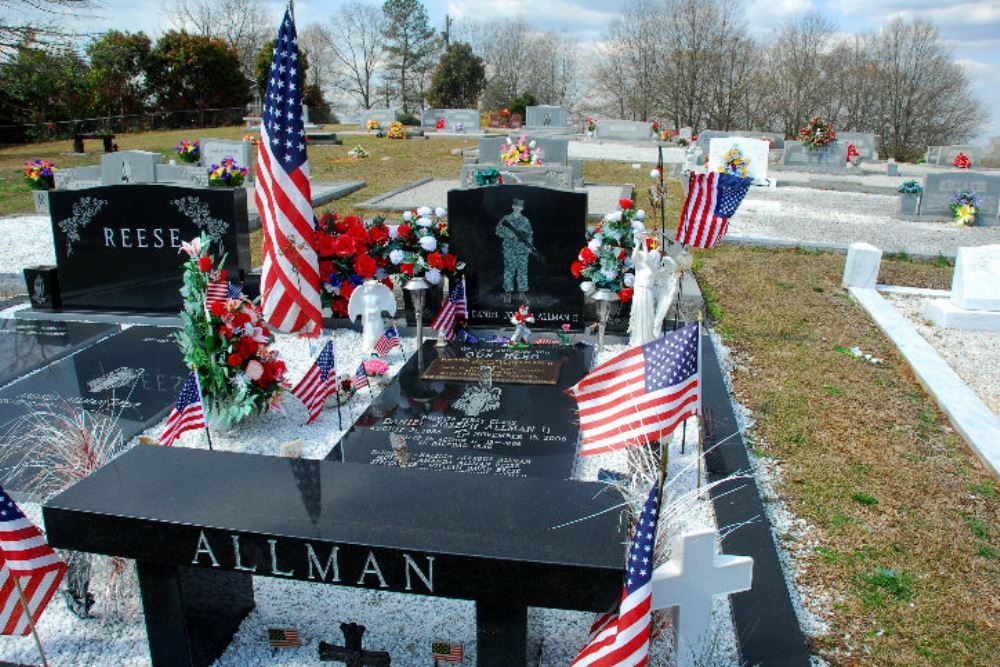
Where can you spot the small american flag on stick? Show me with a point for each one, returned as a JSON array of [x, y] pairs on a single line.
[[318, 383], [446, 652], [711, 200], [454, 306], [388, 341], [188, 413], [278, 637], [360, 378]]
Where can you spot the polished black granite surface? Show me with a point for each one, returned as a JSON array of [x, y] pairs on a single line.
[[118, 247], [494, 539], [134, 376], [26, 345], [514, 430]]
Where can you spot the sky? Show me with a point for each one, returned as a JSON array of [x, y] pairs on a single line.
[[970, 27]]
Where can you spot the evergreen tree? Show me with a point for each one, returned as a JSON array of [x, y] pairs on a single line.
[[410, 43], [195, 72], [458, 79], [118, 62]]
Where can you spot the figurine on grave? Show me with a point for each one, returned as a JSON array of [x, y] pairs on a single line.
[[368, 301], [655, 284], [521, 319]]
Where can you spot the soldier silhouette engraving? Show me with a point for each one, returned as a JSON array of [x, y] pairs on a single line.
[[517, 237]]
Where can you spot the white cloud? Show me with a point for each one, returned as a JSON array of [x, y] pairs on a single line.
[[766, 15]]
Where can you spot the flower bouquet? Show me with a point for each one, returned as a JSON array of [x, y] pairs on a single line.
[[591, 125], [358, 152], [418, 248], [396, 130], [349, 253], [458, 127], [439, 125], [853, 154], [962, 161], [227, 343], [911, 187], [40, 174], [964, 206], [188, 152], [817, 134], [735, 163], [654, 127], [250, 139], [520, 153], [605, 263], [488, 176], [373, 125], [375, 369], [227, 175]]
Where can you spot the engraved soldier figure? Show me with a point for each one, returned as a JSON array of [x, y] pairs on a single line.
[[515, 231]]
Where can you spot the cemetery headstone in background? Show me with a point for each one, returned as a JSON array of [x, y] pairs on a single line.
[[130, 167], [865, 142], [556, 170], [117, 247], [754, 151], [623, 130], [831, 158], [547, 117], [945, 155], [775, 140], [940, 187], [469, 118], [213, 151], [557, 220]]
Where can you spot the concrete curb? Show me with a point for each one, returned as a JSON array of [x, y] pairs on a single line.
[[969, 415], [768, 242]]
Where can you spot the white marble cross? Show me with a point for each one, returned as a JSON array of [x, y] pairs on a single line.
[[689, 581]]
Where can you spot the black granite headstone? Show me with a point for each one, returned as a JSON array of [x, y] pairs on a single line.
[[118, 246], [133, 376], [519, 251], [515, 430], [29, 344]]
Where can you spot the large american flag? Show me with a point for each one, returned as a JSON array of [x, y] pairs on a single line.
[[711, 200], [388, 341], [188, 413], [24, 554], [319, 382], [454, 306], [623, 638], [641, 395], [290, 278]]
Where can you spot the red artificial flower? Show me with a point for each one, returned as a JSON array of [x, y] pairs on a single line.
[[354, 221], [346, 289], [587, 256], [962, 161], [217, 308], [439, 124], [324, 244], [407, 268], [378, 235], [625, 294], [240, 319], [387, 282], [404, 230], [222, 274], [625, 204], [365, 266], [234, 359], [266, 377], [325, 269], [343, 246], [435, 260], [359, 234], [246, 346], [226, 330], [576, 268], [450, 262], [339, 304], [205, 264]]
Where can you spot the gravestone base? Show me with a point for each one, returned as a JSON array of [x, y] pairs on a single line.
[[323, 138], [947, 315], [501, 634]]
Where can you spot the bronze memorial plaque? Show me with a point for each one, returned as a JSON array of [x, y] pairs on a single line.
[[505, 371]]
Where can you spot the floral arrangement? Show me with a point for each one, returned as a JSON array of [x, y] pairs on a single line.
[[735, 163], [591, 125], [522, 152], [375, 368], [488, 176], [655, 127], [962, 161], [458, 127], [911, 187], [817, 134], [439, 125], [226, 343], [505, 112], [358, 151], [373, 125], [188, 152], [250, 139], [40, 174], [228, 174], [418, 248], [665, 135], [964, 206], [606, 261], [349, 253], [396, 130], [852, 152]]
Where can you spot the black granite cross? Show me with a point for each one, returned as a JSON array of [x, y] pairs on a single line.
[[351, 654]]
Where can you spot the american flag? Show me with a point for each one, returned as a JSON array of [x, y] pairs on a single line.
[[360, 378], [466, 337], [388, 341], [24, 554], [221, 290], [623, 638], [188, 413], [454, 306], [319, 382], [290, 277], [712, 199], [446, 652], [642, 394], [283, 637]]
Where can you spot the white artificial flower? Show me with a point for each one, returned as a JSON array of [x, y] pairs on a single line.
[[614, 217], [608, 218], [611, 233], [640, 214], [587, 286], [396, 256], [629, 279], [433, 276], [193, 249], [393, 231], [655, 174], [637, 226], [444, 248], [440, 212], [509, 142], [407, 215], [610, 274], [424, 210], [531, 144], [424, 222], [628, 262], [594, 245], [428, 243]]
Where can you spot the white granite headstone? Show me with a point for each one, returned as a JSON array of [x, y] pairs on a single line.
[[976, 282], [755, 151], [861, 267]]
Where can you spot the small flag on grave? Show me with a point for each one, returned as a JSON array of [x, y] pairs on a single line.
[[388, 341], [188, 413], [30, 571], [712, 199], [318, 383], [278, 637], [217, 290], [360, 378], [446, 652], [623, 638], [454, 306], [642, 394]]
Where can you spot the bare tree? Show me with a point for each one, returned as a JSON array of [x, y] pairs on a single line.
[[31, 22], [244, 24], [356, 47], [316, 41]]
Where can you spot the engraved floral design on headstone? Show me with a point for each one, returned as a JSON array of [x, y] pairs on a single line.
[[83, 212], [199, 213]]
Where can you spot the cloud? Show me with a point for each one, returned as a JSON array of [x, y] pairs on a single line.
[[985, 78], [766, 15], [585, 20]]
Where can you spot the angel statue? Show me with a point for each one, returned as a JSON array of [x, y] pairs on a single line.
[[655, 283], [368, 301]]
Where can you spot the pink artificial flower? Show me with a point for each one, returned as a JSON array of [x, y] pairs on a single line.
[[193, 249], [254, 370]]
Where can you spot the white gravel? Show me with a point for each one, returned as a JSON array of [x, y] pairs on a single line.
[[974, 355], [27, 241]]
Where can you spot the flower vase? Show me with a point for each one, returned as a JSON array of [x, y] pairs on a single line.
[[604, 299], [418, 290], [909, 203]]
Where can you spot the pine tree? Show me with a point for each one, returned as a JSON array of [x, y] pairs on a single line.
[[411, 43]]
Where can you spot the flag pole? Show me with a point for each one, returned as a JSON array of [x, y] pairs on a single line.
[[336, 379], [663, 199], [208, 433], [701, 424], [27, 610]]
